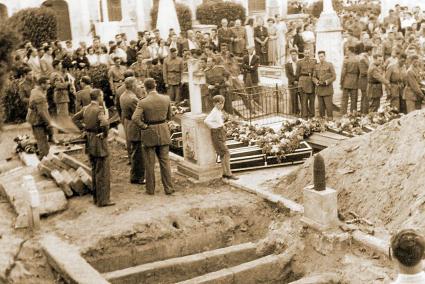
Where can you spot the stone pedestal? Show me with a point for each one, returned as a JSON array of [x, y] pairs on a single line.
[[329, 39], [320, 208], [199, 155]]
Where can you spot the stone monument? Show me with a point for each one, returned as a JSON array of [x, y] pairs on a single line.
[[320, 202], [329, 39], [200, 159], [167, 18]]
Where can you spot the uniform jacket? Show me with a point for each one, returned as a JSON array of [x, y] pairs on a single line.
[[363, 68], [323, 77], [350, 73], [151, 115], [250, 68], [375, 80], [24, 90], [305, 69], [128, 103], [173, 70], [291, 73], [412, 91], [395, 75], [216, 76], [225, 36], [139, 92], [38, 113], [61, 94], [95, 122], [140, 70], [82, 98]]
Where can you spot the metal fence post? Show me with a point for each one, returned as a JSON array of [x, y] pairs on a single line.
[[277, 99]]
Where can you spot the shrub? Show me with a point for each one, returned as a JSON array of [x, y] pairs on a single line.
[[37, 25], [184, 14], [9, 40], [363, 8], [15, 110], [211, 12]]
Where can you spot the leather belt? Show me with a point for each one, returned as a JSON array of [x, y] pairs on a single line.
[[155, 122]]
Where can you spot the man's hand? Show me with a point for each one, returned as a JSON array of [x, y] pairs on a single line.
[[100, 135], [210, 87]]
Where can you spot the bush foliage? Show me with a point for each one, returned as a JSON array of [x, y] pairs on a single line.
[[317, 7], [9, 40], [211, 12], [184, 14], [37, 25]]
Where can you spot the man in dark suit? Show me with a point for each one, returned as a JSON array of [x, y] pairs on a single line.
[[82, 98], [291, 71], [96, 126], [128, 103], [225, 35], [249, 68], [151, 115]]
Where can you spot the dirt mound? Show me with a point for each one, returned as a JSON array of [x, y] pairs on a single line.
[[380, 175]]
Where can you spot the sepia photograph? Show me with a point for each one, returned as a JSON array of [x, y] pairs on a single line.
[[212, 141]]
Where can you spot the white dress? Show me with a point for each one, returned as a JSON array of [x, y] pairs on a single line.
[[249, 36], [281, 42]]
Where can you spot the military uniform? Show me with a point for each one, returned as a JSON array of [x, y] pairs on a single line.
[[172, 74], [140, 70], [412, 92], [305, 69], [96, 126], [225, 35], [323, 77], [128, 103], [395, 75], [151, 115], [216, 78], [116, 77], [375, 79], [39, 118], [362, 82], [349, 83], [60, 95], [24, 90], [82, 98]]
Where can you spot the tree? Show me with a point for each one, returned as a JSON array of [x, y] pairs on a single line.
[[317, 7], [36, 25], [211, 12], [9, 40]]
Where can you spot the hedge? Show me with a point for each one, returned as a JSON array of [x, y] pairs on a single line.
[[212, 12], [317, 7], [184, 14], [9, 40], [36, 25], [363, 8]]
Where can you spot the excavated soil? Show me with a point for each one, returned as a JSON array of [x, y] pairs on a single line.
[[379, 176]]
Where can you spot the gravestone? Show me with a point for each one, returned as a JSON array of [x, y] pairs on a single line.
[[199, 156]]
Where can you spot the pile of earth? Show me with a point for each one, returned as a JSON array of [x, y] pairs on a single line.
[[380, 176]]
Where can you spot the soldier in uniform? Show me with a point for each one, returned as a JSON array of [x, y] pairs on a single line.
[[395, 74], [128, 103], [375, 80], [140, 68], [26, 85], [82, 98], [61, 89], [216, 79], [172, 74], [304, 75], [96, 126], [38, 116], [364, 62], [349, 81], [151, 115], [412, 92], [116, 75], [323, 77]]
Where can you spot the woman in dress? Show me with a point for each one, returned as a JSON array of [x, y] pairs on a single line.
[[34, 62], [272, 47], [92, 57], [162, 51], [261, 37], [299, 42], [103, 56], [281, 42], [309, 38], [249, 29]]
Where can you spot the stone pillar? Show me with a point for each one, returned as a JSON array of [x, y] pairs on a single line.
[[284, 8], [199, 156], [320, 208], [80, 21], [105, 11], [272, 8], [329, 39], [140, 15]]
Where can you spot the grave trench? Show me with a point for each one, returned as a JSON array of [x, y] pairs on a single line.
[[222, 241]]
